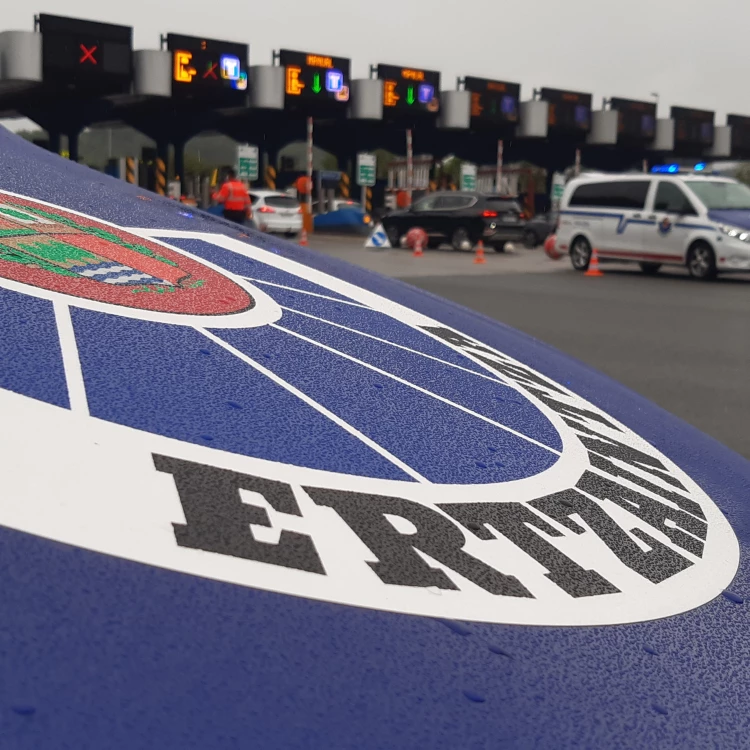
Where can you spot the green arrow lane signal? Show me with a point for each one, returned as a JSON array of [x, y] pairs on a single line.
[[316, 87], [410, 95]]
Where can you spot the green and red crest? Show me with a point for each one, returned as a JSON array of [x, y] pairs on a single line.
[[59, 251]]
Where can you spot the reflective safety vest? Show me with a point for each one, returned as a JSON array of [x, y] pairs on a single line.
[[234, 196]]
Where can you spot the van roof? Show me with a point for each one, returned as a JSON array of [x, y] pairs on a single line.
[[604, 177]]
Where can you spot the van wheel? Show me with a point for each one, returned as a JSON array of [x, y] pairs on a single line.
[[650, 268], [580, 253], [701, 261], [460, 238]]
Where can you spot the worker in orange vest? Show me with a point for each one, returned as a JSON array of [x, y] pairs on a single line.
[[235, 199]]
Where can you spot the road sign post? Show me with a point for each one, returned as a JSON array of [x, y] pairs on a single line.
[[468, 176], [409, 165], [366, 174], [247, 163], [366, 167], [309, 172], [499, 174], [558, 187]]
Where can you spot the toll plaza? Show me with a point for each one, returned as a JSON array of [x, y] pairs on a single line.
[[70, 74]]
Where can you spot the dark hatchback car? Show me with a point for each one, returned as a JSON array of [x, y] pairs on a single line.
[[460, 218]]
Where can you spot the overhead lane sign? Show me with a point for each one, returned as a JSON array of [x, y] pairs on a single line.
[[635, 119], [93, 58], [569, 111], [409, 90], [313, 81], [493, 102], [693, 127], [208, 68]]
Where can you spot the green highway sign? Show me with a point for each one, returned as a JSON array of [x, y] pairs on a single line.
[[468, 176], [366, 169], [247, 163]]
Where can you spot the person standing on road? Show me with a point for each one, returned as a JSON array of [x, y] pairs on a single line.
[[235, 199]]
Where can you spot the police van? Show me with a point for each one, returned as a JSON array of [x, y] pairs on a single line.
[[667, 217]]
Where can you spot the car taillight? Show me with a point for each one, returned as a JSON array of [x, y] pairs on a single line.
[[489, 214], [266, 210], [523, 215]]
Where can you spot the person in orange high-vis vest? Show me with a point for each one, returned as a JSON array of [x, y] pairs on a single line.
[[235, 199]]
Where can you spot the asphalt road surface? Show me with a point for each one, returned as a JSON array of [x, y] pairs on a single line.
[[683, 344]]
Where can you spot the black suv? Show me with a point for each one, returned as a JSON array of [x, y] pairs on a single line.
[[460, 218]]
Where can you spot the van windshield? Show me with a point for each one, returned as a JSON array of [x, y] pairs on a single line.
[[718, 196]]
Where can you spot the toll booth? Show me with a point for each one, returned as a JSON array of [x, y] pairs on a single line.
[[398, 178]]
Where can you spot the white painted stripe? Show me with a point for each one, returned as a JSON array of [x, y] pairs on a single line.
[[71, 362], [399, 346], [302, 291], [104, 271], [315, 405], [127, 277], [418, 388]]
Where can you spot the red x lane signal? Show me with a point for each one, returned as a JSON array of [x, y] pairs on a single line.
[[87, 54], [211, 71]]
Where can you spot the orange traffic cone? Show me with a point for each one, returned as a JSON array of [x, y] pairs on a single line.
[[479, 255], [418, 248], [303, 238], [594, 269]]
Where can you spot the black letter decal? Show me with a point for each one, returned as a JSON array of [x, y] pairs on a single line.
[[436, 536], [218, 520]]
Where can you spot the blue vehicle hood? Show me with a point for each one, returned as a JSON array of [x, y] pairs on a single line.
[[734, 217], [255, 496]]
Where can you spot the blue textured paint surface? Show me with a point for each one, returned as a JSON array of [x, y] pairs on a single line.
[[97, 652], [30, 357], [249, 268], [439, 441], [176, 382]]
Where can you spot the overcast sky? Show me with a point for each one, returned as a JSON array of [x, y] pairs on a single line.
[[692, 53]]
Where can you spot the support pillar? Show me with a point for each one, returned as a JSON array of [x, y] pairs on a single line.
[[73, 137]]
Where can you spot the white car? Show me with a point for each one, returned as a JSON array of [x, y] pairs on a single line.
[[338, 204], [669, 217], [276, 212]]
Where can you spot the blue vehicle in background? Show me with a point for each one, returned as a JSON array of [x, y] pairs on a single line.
[[347, 217]]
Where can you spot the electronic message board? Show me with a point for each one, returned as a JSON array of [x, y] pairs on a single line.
[[208, 68], [569, 111], [740, 132], [88, 56], [493, 102], [313, 81], [693, 127], [409, 90], [635, 119]]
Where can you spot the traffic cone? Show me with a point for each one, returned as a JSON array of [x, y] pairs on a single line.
[[303, 238], [593, 269], [479, 254], [418, 248]]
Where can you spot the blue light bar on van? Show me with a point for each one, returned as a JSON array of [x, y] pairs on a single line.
[[675, 168]]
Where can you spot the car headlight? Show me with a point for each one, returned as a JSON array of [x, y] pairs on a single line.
[[735, 233]]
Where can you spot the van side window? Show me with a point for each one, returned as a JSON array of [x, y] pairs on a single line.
[[620, 194], [671, 200]]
